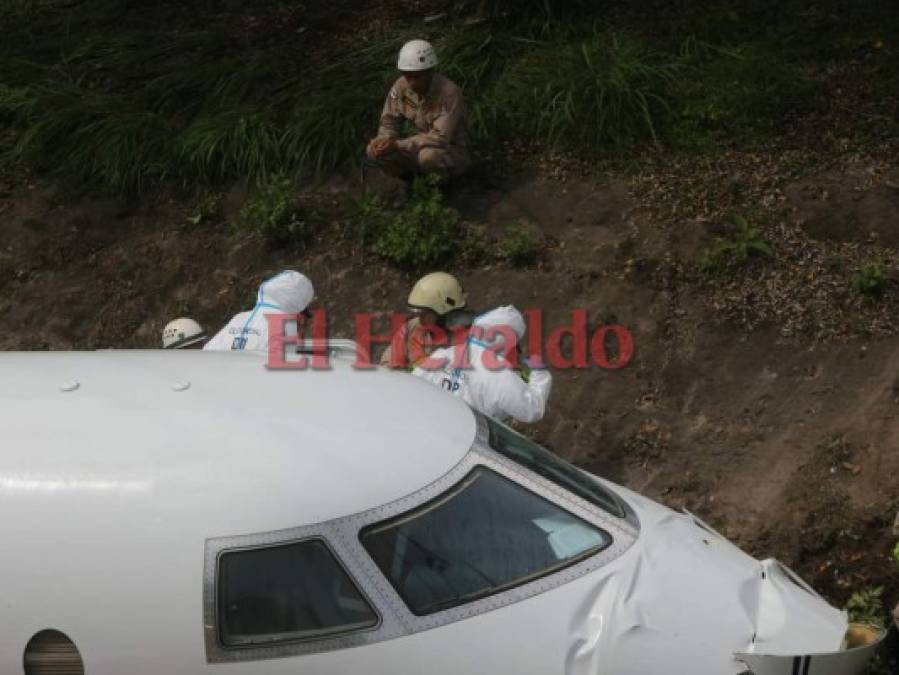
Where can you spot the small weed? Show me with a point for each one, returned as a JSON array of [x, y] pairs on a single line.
[[424, 232], [870, 280], [745, 243], [273, 212], [521, 245], [208, 208], [867, 607]]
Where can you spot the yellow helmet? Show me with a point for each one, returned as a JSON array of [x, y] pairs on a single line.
[[439, 292]]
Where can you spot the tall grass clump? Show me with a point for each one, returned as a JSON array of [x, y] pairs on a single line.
[[475, 59], [332, 110], [127, 97], [608, 89]]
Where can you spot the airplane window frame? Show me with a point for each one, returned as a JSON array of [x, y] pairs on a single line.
[[341, 534], [339, 632]]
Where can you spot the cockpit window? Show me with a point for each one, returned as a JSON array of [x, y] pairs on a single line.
[[541, 461], [288, 592], [484, 536]]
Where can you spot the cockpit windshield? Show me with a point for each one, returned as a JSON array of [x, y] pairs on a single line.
[[544, 463], [485, 535]]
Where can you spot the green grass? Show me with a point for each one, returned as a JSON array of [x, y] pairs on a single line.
[[105, 95], [129, 96], [604, 90]]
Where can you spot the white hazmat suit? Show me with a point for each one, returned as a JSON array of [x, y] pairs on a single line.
[[286, 293], [489, 383]]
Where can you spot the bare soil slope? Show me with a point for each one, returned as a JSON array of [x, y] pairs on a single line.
[[787, 443]]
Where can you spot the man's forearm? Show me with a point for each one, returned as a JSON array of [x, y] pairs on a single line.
[[421, 141]]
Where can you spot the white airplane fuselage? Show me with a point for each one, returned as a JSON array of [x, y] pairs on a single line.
[[125, 477]]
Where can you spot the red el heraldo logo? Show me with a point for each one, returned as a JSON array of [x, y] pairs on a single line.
[[570, 345]]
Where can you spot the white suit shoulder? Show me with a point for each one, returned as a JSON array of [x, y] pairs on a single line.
[[224, 339]]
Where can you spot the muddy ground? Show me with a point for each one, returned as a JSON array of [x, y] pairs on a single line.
[[789, 443]]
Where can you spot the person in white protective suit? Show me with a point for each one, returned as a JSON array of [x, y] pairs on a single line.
[[286, 293], [487, 380]]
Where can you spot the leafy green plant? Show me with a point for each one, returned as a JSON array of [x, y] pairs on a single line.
[[274, 213], [424, 232], [745, 243], [870, 280], [866, 606], [521, 244]]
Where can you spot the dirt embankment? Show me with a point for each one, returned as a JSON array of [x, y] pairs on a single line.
[[787, 443]]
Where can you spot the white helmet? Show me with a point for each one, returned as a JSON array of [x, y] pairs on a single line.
[[416, 55], [182, 332]]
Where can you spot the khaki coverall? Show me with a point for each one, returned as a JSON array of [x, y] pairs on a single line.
[[440, 146], [412, 342]]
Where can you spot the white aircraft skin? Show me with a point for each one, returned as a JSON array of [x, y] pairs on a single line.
[[119, 468]]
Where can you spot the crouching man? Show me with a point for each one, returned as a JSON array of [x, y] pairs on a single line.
[[432, 104]]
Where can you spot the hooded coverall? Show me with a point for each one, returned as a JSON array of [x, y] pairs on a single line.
[[496, 389], [441, 144], [286, 293]]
